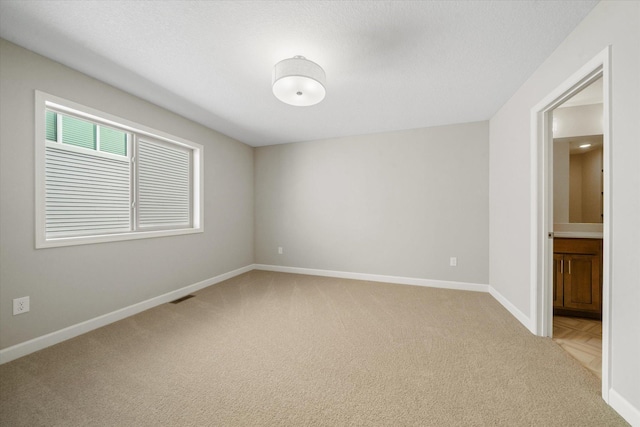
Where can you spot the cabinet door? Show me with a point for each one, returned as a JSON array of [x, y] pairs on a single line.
[[582, 282], [558, 280]]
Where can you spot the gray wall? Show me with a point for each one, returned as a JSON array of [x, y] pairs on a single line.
[[397, 203], [610, 23], [69, 285]]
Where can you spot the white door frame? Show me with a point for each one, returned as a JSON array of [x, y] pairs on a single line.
[[542, 203]]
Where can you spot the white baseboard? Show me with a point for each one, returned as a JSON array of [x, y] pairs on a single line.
[[39, 343], [11, 353], [515, 312], [624, 408], [461, 286], [445, 284]]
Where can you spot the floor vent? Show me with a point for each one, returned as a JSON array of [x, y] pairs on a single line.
[[182, 299]]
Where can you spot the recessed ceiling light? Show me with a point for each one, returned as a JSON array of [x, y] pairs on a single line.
[[298, 81], [585, 146]]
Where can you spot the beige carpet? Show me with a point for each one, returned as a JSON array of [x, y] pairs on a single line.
[[288, 350]]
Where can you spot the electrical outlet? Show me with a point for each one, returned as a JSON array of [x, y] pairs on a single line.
[[20, 305], [453, 261], [280, 251]]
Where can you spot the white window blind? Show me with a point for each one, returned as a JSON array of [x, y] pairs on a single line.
[[102, 178], [164, 190], [86, 194]]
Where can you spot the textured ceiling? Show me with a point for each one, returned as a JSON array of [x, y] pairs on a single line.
[[390, 64]]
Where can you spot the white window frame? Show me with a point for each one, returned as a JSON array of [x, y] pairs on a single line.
[[45, 101]]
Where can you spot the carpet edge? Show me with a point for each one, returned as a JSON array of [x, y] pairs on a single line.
[[431, 283], [39, 343], [515, 311], [623, 407]]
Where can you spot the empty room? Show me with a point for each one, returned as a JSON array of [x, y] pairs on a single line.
[[301, 213]]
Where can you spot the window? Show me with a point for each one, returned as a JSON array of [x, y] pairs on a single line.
[[102, 178]]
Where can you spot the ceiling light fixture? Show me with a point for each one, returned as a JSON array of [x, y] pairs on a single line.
[[298, 81], [585, 146]]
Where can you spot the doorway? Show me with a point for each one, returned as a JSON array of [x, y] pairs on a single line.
[[577, 162], [542, 251]]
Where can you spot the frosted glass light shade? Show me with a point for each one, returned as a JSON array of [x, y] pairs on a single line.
[[298, 81]]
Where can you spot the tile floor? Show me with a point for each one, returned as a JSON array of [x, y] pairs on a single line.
[[582, 339]]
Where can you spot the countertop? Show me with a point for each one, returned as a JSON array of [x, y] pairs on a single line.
[[578, 234], [577, 230]]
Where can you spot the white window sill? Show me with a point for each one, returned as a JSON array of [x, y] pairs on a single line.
[[87, 240]]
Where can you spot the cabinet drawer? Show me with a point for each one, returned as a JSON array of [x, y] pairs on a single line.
[[577, 246]]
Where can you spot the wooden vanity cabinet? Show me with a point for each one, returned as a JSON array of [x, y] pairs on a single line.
[[577, 277]]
